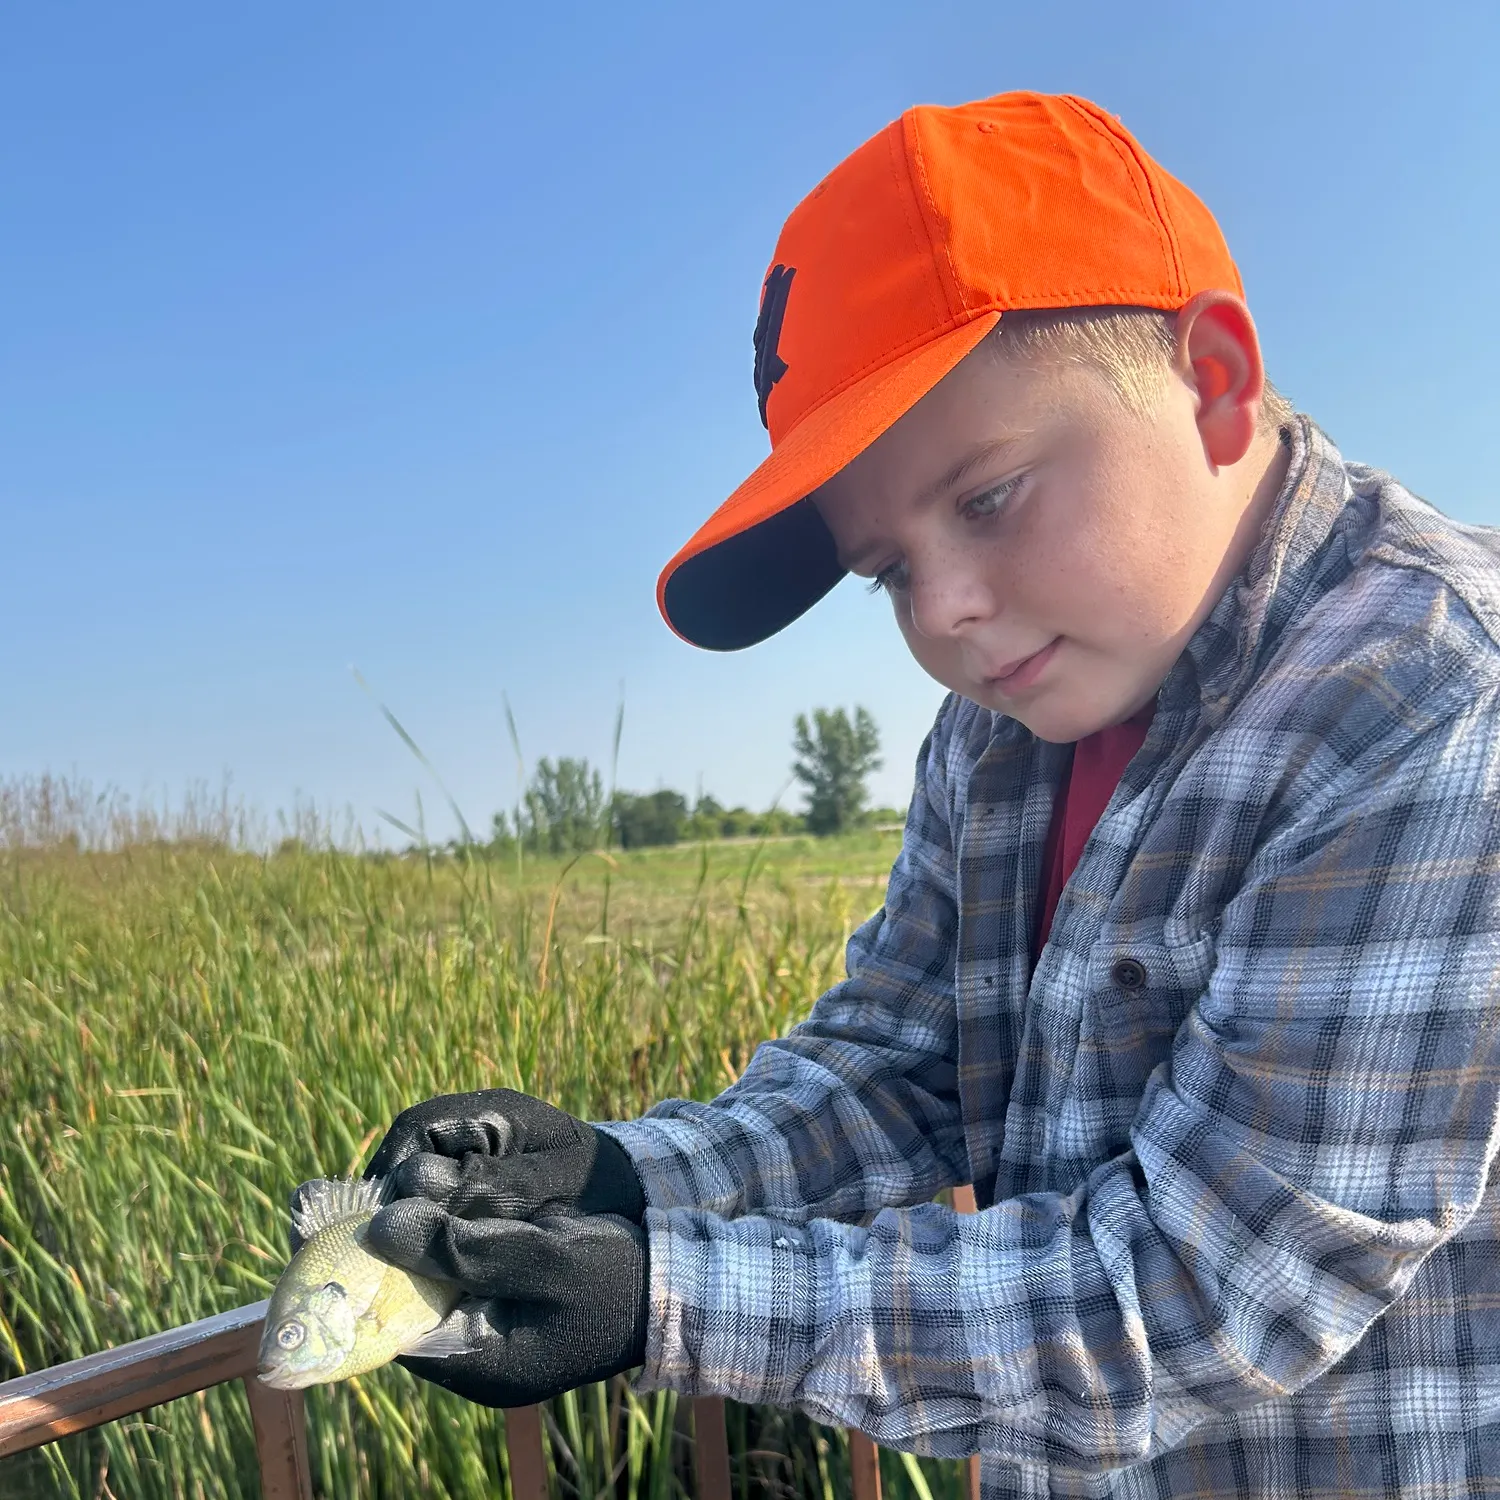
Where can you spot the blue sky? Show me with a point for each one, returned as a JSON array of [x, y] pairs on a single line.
[[417, 338]]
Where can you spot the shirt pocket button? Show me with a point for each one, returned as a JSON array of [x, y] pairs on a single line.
[[1129, 974]]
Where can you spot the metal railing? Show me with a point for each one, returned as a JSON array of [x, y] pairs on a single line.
[[83, 1393]]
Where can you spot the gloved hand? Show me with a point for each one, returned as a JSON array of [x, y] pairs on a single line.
[[551, 1304], [502, 1153], [499, 1154]]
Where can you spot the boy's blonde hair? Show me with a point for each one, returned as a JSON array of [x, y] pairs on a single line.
[[1133, 346]]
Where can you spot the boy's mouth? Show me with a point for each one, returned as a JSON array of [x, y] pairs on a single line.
[[1019, 674]]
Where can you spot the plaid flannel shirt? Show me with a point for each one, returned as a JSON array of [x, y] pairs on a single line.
[[1232, 1137]]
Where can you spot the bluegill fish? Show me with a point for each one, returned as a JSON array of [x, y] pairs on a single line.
[[338, 1310]]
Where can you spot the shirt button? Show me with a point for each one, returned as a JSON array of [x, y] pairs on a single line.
[[1129, 974]]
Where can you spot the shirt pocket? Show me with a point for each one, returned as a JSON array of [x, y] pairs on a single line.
[[1146, 985], [1135, 995]]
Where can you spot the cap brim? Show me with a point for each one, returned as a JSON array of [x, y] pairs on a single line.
[[765, 557]]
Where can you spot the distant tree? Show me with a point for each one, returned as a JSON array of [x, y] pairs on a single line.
[[707, 820], [562, 810], [834, 756], [735, 824], [652, 818], [501, 839], [776, 822]]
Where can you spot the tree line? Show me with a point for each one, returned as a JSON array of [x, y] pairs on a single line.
[[564, 808]]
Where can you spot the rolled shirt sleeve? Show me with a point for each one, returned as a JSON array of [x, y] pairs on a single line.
[[1326, 1119]]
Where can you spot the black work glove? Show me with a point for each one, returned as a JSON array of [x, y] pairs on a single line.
[[499, 1154], [550, 1305]]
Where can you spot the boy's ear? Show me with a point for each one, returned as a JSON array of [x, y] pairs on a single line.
[[1218, 357]]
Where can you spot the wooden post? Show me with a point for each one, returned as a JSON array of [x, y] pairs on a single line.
[[710, 1448], [864, 1467], [523, 1448], [963, 1202], [280, 1419]]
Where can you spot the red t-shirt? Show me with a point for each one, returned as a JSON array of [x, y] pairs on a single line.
[[1099, 760]]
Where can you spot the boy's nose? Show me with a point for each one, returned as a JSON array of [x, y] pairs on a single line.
[[945, 600]]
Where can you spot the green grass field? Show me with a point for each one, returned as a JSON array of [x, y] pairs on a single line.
[[187, 1033]]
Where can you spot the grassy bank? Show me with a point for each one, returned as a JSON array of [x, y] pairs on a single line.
[[187, 1033]]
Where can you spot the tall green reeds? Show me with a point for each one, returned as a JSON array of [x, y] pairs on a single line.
[[186, 1033]]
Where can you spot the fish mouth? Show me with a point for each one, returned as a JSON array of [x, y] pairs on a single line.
[[277, 1378]]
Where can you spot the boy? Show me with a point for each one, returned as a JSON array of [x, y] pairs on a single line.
[[1188, 958]]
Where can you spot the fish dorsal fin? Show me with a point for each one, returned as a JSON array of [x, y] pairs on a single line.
[[326, 1201]]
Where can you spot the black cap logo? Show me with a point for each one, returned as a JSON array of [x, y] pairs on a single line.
[[769, 365]]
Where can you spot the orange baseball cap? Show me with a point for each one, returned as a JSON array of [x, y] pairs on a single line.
[[885, 276]]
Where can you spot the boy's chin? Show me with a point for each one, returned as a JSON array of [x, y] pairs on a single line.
[[1055, 730], [1061, 721]]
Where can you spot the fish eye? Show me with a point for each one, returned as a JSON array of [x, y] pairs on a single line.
[[290, 1335]]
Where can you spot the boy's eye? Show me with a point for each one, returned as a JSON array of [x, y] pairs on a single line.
[[992, 501], [889, 580], [980, 507]]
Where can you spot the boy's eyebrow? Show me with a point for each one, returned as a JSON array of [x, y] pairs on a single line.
[[966, 465]]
